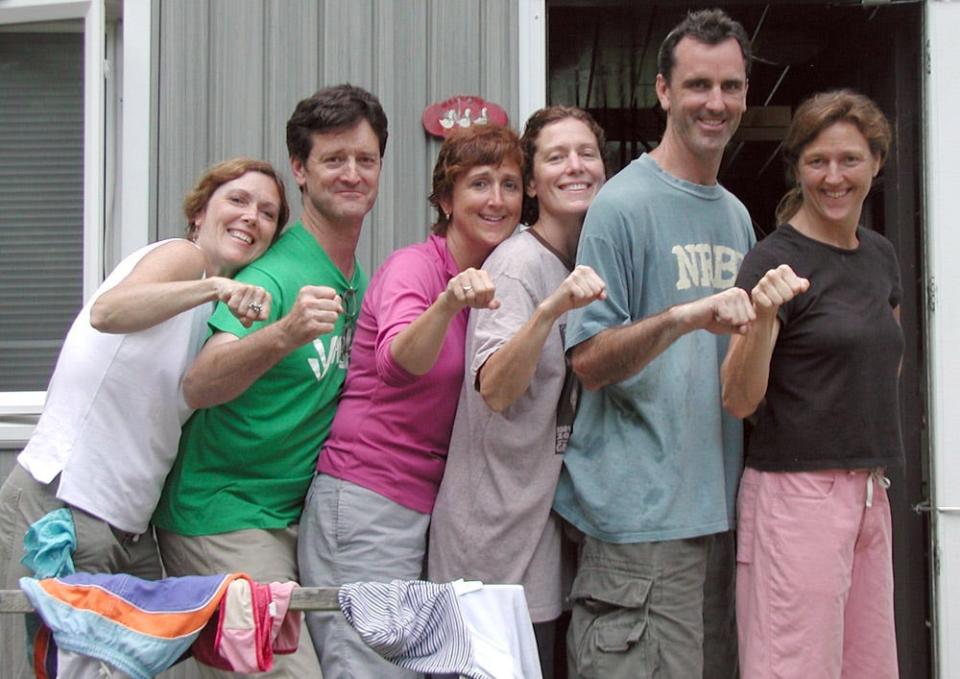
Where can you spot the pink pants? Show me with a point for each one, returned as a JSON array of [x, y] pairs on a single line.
[[815, 576]]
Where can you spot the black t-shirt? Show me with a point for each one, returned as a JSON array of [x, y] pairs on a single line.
[[831, 400]]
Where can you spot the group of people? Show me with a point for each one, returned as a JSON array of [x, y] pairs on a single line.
[[312, 426]]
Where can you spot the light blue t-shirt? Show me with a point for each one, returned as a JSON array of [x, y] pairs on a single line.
[[654, 457]]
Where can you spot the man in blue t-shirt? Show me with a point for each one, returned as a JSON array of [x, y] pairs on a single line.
[[651, 469]]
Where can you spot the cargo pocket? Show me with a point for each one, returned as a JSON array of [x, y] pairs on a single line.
[[609, 625]]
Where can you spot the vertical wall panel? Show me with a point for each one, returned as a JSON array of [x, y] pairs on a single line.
[[231, 73], [183, 104], [291, 73], [237, 79]]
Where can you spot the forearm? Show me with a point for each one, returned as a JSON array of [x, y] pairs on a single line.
[[615, 354], [125, 309], [506, 374], [746, 368], [416, 347], [226, 368]]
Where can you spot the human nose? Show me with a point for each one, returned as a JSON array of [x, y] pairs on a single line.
[[834, 176], [715, 99], [351, 173], [574, 163], [496, 195]]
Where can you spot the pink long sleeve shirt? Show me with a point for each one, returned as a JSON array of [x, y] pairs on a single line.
[[392, 428]]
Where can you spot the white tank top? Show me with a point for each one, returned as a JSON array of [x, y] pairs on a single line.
[[111, 422]]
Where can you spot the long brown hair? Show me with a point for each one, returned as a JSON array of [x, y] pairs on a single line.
[[815, 115]]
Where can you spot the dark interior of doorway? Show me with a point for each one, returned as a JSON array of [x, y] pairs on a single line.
[[602, 57]]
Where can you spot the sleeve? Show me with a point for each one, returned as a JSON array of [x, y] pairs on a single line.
[[494, 328], [223, 320], [408, 284], [603, 247], [764, 256]]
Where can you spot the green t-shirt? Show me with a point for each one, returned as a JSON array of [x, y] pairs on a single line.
[[248, 463]]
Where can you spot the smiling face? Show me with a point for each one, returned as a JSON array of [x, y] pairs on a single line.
[[341, 176], [835, 172], [567, 169], [484, 210], [705, 97], [238, 223]]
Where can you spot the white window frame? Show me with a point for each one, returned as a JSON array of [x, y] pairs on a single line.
[[107, 125], [531, 57]]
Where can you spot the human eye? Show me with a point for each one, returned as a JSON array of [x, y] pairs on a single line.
[[699, 84], [589, 152], [511, 185], [368, 161], [237, 198], [732, 86], [333, 160]]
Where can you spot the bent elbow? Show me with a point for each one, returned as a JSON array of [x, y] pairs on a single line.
[[99, 318], [581, 369], [738, 407]]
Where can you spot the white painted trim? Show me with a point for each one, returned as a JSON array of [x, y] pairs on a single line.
[[133, 220], [28, 11], [94, 134], [942, 177], [531, 57]]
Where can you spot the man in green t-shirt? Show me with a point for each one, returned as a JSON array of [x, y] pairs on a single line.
[[267, 393]]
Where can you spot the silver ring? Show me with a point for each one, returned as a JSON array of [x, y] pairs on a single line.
[[256, 308], [467, 288]]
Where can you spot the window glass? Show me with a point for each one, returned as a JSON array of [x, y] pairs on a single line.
[[41, 191]]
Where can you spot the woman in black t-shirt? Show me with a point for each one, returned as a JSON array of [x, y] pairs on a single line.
[[820, 368]]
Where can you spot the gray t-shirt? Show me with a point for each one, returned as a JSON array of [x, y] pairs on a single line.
[[492, 520], [654, 457]]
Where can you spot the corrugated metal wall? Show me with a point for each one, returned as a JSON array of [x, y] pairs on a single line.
[[231, 72]]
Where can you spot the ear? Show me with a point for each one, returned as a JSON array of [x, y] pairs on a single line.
[[876, 165], [662, 87], [296, 168], [531, 191], [446, 204]]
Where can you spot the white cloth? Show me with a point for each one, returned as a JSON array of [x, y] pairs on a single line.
[[111, 423], [475, 630]]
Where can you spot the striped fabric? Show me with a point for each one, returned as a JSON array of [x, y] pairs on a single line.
[[141, 627], [416, 625]]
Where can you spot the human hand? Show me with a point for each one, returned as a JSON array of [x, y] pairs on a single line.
[[581, 287], [314, 313], [777, 287], [249, 303], [472, 288], [726, 312]]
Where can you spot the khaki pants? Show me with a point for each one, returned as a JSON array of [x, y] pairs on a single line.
[[264, 555], [654, 609]]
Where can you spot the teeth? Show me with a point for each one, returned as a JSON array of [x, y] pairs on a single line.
[[835, 194], [575, 187], [239, 235]]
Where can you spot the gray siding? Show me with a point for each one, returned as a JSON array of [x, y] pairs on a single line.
[[231, 72]]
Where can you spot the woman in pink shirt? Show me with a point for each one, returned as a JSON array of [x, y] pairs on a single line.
[[368, 510]]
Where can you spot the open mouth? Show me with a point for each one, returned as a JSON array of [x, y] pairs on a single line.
[[576, 186], [241, 236]]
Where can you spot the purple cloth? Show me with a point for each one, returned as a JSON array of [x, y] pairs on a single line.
[[392, 429]]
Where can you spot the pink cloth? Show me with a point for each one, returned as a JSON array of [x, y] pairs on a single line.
[[815, 576], [253, 623], [392, 429]]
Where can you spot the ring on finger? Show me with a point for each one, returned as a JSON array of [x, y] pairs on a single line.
[[255, 307], [467, 288]]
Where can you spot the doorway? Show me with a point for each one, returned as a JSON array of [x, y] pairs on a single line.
[[601, 56]]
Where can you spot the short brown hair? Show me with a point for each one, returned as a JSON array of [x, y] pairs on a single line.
[[816, 114], [225, 171], [463, 150], [709, 26], [531, 132]]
